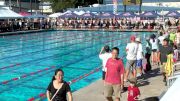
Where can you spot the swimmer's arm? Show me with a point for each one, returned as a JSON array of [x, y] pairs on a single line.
[[48, 95], [70, 98]]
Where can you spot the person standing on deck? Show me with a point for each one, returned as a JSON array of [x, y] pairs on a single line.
[[131, 50], [140, 56], [178, 38], [165, 50], [172, 38], [148, 55], [154, 46], [114, 76], [104, 55], [58, 89]]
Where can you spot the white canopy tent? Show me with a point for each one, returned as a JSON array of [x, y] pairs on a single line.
[[79, 12], [55, 15], [8, 14]]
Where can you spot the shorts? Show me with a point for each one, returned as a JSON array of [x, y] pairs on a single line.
[[110, 89], [139, 63], [154, 50], [131, 65], [162, 67], [103, 75]]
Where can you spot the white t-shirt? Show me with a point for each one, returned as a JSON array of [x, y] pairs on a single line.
[[161, 38], [104, 57], [131, 51], [139, 52], [154, 44]]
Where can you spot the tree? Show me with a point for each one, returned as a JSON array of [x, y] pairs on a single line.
[[85, 3], [60, 5]]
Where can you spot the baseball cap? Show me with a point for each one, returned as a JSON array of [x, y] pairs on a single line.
[[132, 38], [138, 39]]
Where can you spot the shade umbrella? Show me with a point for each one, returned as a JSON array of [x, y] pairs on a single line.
[[9, 14], [55, 15], [36, 16], [172, 14], [87, 15], [126, 14], [106, 15], [24, 13], [69, 15], [79, 12], [150, 14]]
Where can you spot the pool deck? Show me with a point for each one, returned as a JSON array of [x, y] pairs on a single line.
[[151, 86]]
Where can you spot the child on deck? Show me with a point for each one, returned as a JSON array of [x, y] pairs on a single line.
[[133, 90]]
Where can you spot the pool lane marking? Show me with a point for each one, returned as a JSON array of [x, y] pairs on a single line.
[[55, 47], [34, 60], [34, 37], [41, 95], [26, 75], [50, 56], [30, 53], [32, 73], [43, 58], [42, 45], [11, 49]]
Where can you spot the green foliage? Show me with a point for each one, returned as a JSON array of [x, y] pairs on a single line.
[[60, 5]]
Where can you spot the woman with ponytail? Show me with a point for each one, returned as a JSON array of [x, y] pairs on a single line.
[[58, 88]]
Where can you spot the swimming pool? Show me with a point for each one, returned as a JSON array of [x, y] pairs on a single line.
[[28, 61]]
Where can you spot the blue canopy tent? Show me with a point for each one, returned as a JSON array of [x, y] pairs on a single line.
[[126, 14], [87, 15], [150, 14], [36, 16], [106, 15], [172, 14], [69, 15]]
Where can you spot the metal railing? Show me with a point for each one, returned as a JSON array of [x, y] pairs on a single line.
[[174, 76]]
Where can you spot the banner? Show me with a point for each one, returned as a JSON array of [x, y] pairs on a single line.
[[132, 2]]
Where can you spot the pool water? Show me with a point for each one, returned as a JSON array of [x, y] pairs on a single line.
[[76, 52]]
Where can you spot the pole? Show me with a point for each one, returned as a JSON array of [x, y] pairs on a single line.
[[35, 6], [10, 4], [19, 5], [124, 8], [140, 6], [31, 6]]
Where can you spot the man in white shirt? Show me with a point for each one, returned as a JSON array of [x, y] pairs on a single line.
[[161, 38], [140, 56], [131, 50], [104, 55]]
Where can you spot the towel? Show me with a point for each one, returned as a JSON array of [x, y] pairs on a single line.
[[169, 65]]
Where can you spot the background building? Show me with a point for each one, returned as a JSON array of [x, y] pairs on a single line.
[[23, 5]]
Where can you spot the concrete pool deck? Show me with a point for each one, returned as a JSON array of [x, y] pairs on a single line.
[[152, 85]]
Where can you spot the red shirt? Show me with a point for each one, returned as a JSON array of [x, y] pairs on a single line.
[[133, 92], [115, 69]]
